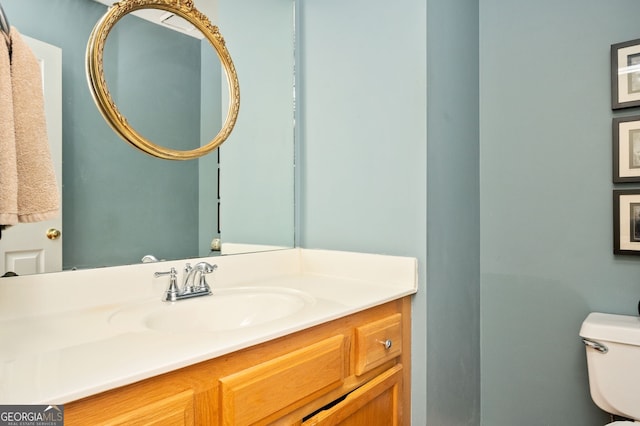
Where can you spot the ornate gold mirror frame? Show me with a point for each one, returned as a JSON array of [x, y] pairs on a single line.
[[98, 86]]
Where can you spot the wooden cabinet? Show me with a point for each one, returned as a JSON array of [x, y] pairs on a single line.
[[135, 406], [376, 403], [173, 410], [255, 393], [350, 371]]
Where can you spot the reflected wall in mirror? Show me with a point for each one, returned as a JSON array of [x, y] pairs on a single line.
[[120, 204], [154, 81], [182, 14]]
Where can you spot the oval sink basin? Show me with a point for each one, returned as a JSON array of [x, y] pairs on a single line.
[[226, 309]]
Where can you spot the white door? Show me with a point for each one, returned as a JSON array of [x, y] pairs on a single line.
[[25, 248]]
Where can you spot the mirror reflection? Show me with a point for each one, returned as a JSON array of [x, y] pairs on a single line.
[[158, 107], [182, 15], [120, 204]]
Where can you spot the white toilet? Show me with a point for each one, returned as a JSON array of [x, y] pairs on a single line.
[[613, 360]]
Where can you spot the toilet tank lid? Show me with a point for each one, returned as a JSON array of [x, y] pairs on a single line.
[[611, 328]]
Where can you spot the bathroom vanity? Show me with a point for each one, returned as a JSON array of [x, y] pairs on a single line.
[[284, 381], [288, 337]]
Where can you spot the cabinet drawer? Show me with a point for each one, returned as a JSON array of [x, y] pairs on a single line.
[[378, 342], [257, 392]]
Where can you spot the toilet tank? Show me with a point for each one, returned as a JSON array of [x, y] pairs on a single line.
[[613, 360]]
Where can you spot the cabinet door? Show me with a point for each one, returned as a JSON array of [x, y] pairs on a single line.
[[377, 403], [285, 383], [176, 410]]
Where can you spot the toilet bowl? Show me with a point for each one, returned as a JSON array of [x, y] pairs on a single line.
[[612, 345]]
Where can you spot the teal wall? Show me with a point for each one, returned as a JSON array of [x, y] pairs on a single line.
[[210, 124], [257, 174], [453, 200], [362, 127], [546, 214]]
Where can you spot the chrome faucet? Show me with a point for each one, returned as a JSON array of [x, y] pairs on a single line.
[[189, 288]]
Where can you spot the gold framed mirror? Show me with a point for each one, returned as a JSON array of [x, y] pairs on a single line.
[[107, 106]]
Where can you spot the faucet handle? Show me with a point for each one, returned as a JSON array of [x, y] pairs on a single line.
[[171, 295], [204, 268], [172, 272]]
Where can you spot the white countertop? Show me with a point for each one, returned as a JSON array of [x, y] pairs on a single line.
[[58, 342]]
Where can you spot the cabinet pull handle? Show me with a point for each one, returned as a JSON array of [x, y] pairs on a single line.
[[386, 343]]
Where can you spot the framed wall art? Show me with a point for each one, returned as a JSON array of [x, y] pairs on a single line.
[[626, 149], [625, 74], [626, 221]]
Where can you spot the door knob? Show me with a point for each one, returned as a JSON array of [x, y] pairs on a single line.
[[53, 234]]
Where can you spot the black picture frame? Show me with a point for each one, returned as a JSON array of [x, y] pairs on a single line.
[[626, 222], [626, 149], [625, 74]]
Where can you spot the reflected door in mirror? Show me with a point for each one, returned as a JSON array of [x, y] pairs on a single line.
[[29, 248]]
